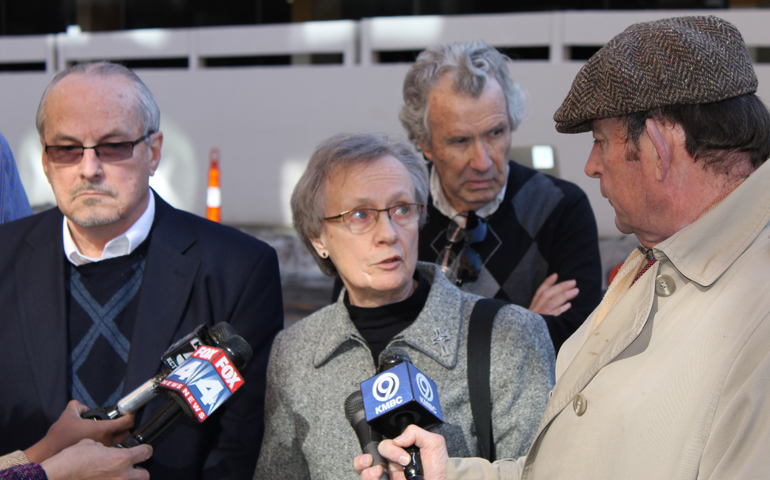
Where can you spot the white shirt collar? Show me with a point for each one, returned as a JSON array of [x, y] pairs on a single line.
[[442, 203], [118, 246]]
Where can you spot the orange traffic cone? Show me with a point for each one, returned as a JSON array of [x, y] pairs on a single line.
[[213, 195]]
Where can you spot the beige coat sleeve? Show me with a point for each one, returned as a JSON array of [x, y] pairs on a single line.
[[480, 469]]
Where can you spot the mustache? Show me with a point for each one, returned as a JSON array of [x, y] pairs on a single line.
[[87, 186]]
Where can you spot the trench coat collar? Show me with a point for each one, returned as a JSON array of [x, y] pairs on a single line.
[[443, 311]]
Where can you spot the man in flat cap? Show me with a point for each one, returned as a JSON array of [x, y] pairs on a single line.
[[668, 378]]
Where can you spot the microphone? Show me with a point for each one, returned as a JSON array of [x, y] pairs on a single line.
[[173, 356], [368, 437], [197, 387], [399, 396], [184, 347]]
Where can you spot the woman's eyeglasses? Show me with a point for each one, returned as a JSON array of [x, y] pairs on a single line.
[[463, 267], [363, 219]]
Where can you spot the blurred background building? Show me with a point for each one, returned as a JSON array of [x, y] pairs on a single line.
[[264, 81], [31, 17]]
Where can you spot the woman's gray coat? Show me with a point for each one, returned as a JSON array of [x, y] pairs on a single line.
[[318, 362]]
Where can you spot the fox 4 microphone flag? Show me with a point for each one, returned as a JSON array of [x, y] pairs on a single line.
[[203, 382]]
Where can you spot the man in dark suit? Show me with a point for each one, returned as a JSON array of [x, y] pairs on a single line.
[[94, 291]]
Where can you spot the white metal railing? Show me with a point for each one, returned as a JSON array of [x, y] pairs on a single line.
[[358, 42], [123, 45], [419, 32], [294, 39], [29, 49], [267, 121]]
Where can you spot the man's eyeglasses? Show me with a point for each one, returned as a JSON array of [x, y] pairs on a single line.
[[362, 220], [107, 152], [464, 266]]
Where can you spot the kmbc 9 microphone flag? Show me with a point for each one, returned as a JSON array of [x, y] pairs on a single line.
[[401, 390]]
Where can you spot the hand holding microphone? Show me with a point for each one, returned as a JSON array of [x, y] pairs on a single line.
[[70, 428], [432, 451], [197, 387], [171, 359], [399, 396]]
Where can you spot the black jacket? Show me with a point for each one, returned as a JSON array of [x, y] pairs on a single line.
[[197, 272]]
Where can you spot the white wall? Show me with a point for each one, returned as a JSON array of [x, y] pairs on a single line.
[[267, 120]]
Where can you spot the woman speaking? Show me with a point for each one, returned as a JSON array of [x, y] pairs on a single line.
[[358, 208]]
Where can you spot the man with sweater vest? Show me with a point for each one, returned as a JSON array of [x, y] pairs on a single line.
[[528, 238], [94, 291]]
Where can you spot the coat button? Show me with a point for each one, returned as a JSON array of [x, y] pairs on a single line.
[[665, 285], [579, 404]]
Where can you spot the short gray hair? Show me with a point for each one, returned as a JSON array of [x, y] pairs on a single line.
[[344, 151], [147, 109], [471, 65]]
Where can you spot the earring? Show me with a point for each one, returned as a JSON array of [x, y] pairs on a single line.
[[324, 254]]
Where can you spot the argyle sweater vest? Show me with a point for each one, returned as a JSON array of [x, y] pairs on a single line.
[[544, 225], [102, 301]]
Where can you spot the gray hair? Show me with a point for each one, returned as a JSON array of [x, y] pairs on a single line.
[[471, 65], [146, 107], [344, 151]]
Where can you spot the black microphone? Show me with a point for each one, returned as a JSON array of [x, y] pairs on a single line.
[[368, 437], [213, 377], [173, 356], [398, 396], [184, 347]]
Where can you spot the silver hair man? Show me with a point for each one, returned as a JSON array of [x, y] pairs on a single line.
[[461, 108], [125, 274], [471, 65]]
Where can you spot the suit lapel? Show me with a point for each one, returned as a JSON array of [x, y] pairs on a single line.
[[166, 287], [40, 286]]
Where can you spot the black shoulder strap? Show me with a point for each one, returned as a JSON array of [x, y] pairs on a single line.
[[479, 362]]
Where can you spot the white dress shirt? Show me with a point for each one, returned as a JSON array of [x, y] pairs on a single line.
[[443, 205]]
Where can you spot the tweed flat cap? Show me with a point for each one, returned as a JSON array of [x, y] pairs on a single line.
[[675, 61]]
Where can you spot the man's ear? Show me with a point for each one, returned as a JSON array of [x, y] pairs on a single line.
[[662, 137], [426, 150], [156, 142], [44, 159]]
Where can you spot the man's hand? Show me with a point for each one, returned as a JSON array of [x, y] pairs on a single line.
[[91, 460], [553, 298], [69, 429], [432, 451]]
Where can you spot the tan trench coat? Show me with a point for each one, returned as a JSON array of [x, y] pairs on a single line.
[[674, 387]]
